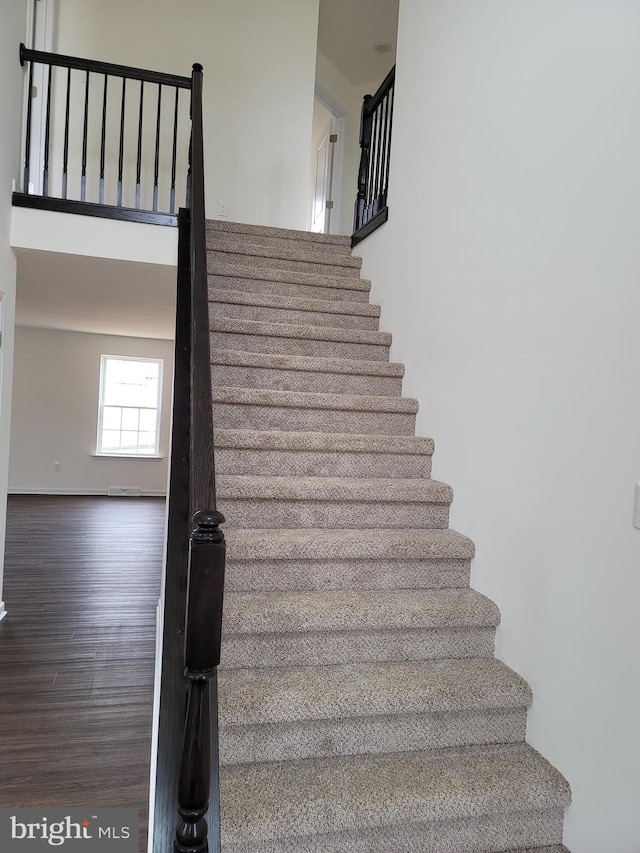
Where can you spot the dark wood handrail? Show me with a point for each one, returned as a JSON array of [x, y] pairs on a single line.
[[81, 64], [203, 490], [205, 583], [187, 812], [384, 87]]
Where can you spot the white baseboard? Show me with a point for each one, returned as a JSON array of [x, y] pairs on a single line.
[[3, 611], [145, 493]]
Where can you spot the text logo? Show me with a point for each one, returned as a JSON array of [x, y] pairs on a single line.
[[103, 830]]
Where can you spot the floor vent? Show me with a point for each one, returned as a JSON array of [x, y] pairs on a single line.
[[123, 491]]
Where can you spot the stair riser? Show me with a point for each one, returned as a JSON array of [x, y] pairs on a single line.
[[510, 832], [256, 261], [368, 735], [296, 290], [299, 346], [220, 240], [320, 382], [239, 416], [305, 575], [240, 513], [335, 647], [279, 463], [282, 315]]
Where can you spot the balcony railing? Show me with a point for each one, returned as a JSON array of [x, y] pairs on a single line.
[[104, 139], [375, 144]]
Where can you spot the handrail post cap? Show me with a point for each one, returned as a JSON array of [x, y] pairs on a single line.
[[206, 523], [197, 67]]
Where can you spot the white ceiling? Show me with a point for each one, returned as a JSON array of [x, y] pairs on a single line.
[[347, 31], [82, 294]]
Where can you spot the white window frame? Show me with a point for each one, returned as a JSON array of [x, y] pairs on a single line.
[[101, 405]]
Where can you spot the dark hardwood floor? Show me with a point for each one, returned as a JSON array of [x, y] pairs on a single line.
[[82, 580]]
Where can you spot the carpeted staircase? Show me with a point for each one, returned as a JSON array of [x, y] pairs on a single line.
[[361, 708]]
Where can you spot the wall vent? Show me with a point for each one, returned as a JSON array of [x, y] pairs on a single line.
[[123, 491]]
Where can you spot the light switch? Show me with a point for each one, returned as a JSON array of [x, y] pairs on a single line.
[[636, 514]]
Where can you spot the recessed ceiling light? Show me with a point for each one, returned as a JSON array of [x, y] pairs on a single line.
[[382, 47]]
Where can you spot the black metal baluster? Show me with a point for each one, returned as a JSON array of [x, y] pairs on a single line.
[[375, 170], [363, 172], [85, 127], [172, 193], [65, 156], [103, 138], [139, 160], [121, 147], [367, 211], [27, 153], [385, 152], [47, 137], [156, 165], [386, 172], [188, 187]]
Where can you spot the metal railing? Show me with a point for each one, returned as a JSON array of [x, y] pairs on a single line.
[[376, 122], [103, 134]]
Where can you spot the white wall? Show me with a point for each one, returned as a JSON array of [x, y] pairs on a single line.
[[509, 273], [55, 410], [345, 100], [259, 80], [12, 32]]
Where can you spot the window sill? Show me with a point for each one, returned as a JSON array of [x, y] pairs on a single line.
[[128, 455]]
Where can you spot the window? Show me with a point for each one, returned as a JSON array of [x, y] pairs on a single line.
[[129, 408]]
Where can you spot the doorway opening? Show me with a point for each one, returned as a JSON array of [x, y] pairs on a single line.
[[326, 168]]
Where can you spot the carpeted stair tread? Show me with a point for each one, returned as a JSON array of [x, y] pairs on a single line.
[[278, 258], [252, 696], [299, 339], [310, 544], [555, 848], [228, 227], [271, 307], [294, 330], [270, 801], [306, 364], [306, 279], [314, 411], [326, 442], [296, 303], [308, 247], [310, 400], [538, 830], [333, 489], [356, 610], [280, 453], [280, 252]]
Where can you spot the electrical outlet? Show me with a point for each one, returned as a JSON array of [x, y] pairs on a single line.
[[223, 209], [56, 466]]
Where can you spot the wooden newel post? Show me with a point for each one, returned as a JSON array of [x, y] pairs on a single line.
[[202, 656], [205, 590], [366, 122]]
